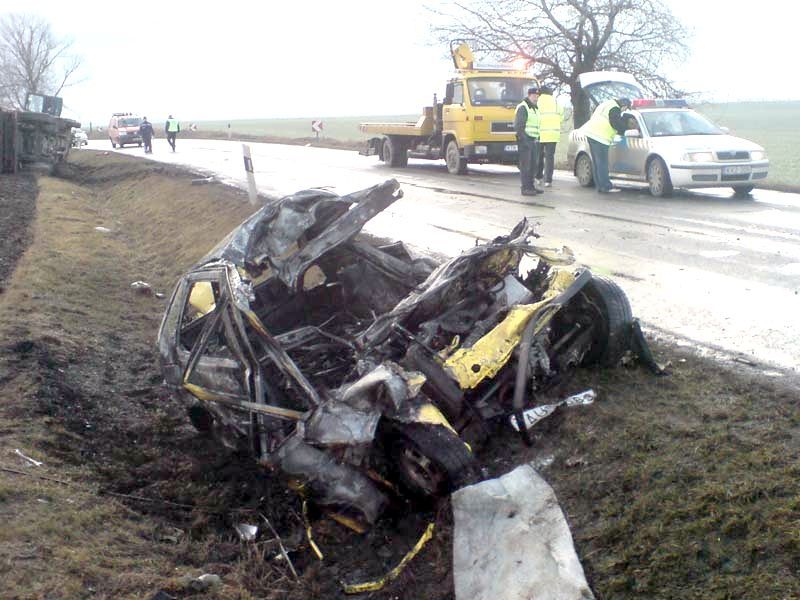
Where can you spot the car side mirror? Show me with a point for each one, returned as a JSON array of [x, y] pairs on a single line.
[[633, 133], [724, 129]]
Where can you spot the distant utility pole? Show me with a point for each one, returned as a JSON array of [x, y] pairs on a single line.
[[229, 131], [251, 178]]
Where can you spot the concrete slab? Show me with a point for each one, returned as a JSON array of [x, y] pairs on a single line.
[[512, 541]]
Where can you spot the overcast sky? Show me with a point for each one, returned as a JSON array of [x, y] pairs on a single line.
[[309, 58]]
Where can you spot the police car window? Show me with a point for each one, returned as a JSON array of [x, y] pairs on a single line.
[[631, 122], [678, 122], [498, 91]]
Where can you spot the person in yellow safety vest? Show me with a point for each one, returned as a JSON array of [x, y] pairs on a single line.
[[526, 126], [172, 127], [606, 121], [550, 117]]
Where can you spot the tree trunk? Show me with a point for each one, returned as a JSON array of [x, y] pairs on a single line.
[[580, 104]]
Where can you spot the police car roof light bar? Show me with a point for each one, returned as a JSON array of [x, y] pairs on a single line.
[[653, 103]]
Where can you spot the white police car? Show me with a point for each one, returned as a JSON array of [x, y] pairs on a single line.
[[79, 137], [666, 144]]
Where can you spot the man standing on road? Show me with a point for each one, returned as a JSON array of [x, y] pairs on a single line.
[[146, 131], [526, 126], [600, 129], [550, 117], [172, 128]]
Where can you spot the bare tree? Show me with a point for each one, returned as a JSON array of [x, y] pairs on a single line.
[[32, 59], [564, 38]]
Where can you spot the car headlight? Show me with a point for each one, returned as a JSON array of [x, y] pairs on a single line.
[[758, 155], [480, 149], [699, 157]]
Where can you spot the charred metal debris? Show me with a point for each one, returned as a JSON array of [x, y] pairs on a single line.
[[362, 372]]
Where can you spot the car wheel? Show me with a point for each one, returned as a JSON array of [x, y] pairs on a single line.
[[658, 178], [455, 164], [140, 144], [742, 191], [583, 170], [113, 145], [430, 460], [613, 320]]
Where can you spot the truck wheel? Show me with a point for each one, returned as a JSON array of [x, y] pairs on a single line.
[[658, 178], [455, 164], [583, 171], [394, 152]]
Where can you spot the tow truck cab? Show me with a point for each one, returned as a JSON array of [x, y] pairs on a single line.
[[474, 122]]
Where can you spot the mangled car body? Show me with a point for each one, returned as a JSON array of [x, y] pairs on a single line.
[[361, 372]]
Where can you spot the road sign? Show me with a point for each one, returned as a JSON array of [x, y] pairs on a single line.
[[316, 126]]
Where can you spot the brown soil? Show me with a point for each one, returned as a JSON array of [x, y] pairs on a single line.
[[17, 207], [681, 486]]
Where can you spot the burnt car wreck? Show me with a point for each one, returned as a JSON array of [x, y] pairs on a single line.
[[361, 372]]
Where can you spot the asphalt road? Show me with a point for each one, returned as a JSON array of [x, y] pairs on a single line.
[[706, 269]]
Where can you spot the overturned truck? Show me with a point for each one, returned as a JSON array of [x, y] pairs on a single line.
[[361, 372], [37, 138]]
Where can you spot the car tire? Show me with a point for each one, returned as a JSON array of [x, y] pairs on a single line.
[[113, 145], [611, 339], [658, 178], [742, 191], [583, 170], [452, 156], [140, 144], [394, 152], [430, 460]]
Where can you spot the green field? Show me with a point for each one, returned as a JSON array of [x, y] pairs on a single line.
[[774, 125], [338, 128]]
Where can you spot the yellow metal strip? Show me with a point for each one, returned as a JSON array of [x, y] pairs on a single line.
[[378, 584], [311, 541]]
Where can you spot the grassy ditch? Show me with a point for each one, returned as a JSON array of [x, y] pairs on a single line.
[[682, 486]]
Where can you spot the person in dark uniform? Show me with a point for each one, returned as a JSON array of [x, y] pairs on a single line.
[[526, 126], [146, 131]]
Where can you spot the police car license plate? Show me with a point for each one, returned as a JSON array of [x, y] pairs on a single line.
[[511, 148], [736, 170]]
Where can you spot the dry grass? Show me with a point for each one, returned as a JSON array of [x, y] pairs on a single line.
[[67, 313]]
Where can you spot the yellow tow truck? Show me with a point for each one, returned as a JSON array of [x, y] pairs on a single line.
[[473, 124]]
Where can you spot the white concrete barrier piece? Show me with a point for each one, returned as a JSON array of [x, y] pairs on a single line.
[[511, 541]]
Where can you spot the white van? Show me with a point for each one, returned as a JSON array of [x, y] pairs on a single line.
[[123, 128]]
